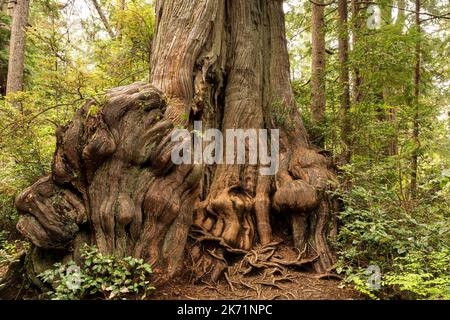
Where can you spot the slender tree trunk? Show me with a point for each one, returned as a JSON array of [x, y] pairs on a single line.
[[357, 25], [318, 80], [113, 183], [4, 67], [16, 63], [392, 112], [104, 19], [344, 77], [416, 129], [386, 92], [400, 23]]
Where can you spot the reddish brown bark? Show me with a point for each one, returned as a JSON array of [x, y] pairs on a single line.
[[113, 183]]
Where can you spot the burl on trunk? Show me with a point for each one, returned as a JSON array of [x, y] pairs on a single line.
[[113, 184]]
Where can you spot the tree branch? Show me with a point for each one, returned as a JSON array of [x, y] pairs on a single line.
[[433, 16], [103, 18]]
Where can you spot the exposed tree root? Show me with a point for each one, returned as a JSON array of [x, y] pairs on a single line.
[[256, 270]]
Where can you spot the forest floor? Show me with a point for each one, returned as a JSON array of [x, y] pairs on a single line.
[[301, 286], [265, 273], [282, 282]]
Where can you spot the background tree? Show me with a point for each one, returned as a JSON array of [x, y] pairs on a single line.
[[416, 86], [356, 31], [16, 64], [5, 22], [318, 90], [103, 18], [344, 76]]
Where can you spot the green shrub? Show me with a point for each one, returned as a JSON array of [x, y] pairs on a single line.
[[10, 250], [419, 275], [100, 276], [409, 240]]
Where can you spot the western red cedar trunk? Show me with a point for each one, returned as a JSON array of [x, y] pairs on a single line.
[[16, 64], [318, 89], [343, 43], [113, 183]]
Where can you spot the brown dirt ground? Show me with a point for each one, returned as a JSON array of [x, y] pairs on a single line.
[[266, 278], [302, 286]]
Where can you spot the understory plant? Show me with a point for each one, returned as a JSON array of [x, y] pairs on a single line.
[[99, 276], [408, 240]]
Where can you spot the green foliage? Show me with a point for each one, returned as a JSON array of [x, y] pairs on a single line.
[[104, 276], [67, 64], [5, 22], [381, 224], [281, 114], [125, 58], [10, 250], [422, 275], [409, 241], [3, 235]]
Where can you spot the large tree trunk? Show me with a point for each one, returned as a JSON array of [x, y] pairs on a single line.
[[113, 183], [16, 63]]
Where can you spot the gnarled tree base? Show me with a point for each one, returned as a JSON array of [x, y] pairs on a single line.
[[113, 183]]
